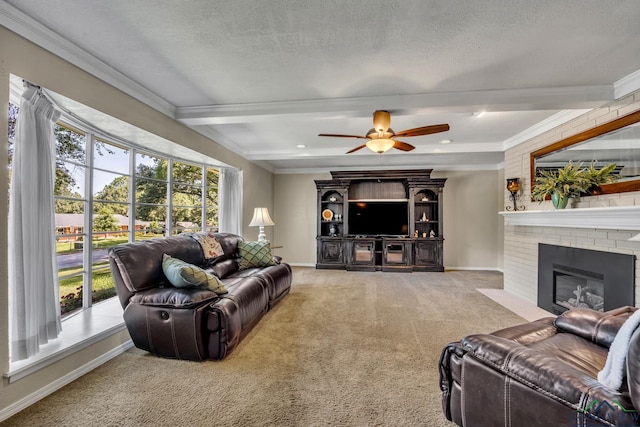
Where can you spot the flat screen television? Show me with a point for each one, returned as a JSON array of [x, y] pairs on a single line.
[[379, 218]]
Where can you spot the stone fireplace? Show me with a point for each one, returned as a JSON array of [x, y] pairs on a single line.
[[571, 277]]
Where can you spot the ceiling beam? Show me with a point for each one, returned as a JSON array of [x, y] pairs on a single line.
[[464, 148], [560, 98]]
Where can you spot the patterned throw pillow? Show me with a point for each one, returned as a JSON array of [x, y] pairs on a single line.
[[211, 248], [184, 275], [255, 254]]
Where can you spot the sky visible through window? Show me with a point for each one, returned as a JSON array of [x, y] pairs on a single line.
[[117, 162]]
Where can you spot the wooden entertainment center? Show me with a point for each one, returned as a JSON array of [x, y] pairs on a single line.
[[380, 220]]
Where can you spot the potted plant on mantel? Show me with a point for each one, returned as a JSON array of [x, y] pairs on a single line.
[[571, 181], [597, 177]]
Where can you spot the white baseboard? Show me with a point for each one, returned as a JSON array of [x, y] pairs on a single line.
[[63, 381], [301, 264], [473, 268]]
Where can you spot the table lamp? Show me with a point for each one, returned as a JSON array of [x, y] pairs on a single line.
[[261, 219]]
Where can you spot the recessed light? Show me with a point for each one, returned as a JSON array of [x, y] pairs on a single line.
[[301, 146], [446, 141]]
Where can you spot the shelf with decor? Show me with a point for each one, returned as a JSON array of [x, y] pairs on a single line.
[[427, 232], [332, 211], [427, 212], [380, 220]]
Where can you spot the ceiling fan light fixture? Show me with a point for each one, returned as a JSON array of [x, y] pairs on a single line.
[[380, 138], [375, 134], [381, 120], [380, 145]]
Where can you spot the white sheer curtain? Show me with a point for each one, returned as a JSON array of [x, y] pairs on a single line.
[[34, 305], [230, 204]]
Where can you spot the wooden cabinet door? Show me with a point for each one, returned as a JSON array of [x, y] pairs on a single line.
[[395, 253], [330, 251], [427, 252], [363, 252]]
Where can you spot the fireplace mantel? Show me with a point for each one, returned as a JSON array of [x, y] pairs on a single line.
[[609, 218]]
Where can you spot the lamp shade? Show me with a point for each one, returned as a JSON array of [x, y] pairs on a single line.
[[261, 218]]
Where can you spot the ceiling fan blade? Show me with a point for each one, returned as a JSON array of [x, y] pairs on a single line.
[[424, 130], [337, 135], [356, 149], [403, 146]]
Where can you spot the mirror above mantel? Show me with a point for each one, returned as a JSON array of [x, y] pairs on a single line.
[[617, 141]]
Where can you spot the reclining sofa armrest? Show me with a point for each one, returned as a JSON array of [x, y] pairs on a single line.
[[173, 297], [596, 326], [122, 290], [490, 349], [450, 367], [528, 333]]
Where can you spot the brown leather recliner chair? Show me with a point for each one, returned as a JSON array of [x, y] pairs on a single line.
[[192, 323], [542, 373]]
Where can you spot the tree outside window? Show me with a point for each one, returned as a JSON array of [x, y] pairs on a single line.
[[109, 221]]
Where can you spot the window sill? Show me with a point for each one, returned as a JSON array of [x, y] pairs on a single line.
[[78, 332]]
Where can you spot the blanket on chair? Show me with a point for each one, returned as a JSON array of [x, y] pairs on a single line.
[[613, 372]]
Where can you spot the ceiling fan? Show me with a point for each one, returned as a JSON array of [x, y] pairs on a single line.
[[381, 136]]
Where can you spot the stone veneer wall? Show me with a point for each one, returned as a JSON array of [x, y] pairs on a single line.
[[521, 242]]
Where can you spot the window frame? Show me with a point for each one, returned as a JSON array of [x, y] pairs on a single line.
[[94, 136]]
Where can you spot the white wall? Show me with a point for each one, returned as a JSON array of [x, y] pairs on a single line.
[[521, 243], [472, 226], [24, 59], [295, 217], [471, 220]]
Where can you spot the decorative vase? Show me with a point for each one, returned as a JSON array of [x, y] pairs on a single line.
[[559, 200]]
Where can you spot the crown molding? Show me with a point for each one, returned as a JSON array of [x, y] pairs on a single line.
[[621, 88], [220, 139], [543, 126], [627, 85], [30, 29]]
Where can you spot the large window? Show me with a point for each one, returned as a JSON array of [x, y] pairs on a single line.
[[151, 195], [70, 207], [186, 199], [108, 192]]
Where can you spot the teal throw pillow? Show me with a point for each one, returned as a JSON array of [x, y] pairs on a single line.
[[255, 254], [184, 275]]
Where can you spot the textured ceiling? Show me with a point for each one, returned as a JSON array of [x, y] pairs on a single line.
[[261, 77]]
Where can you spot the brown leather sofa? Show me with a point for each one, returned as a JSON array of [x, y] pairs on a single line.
[[192, 323], [542, 373]]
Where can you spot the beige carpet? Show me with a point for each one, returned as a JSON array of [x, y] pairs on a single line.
[[342, 349]]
